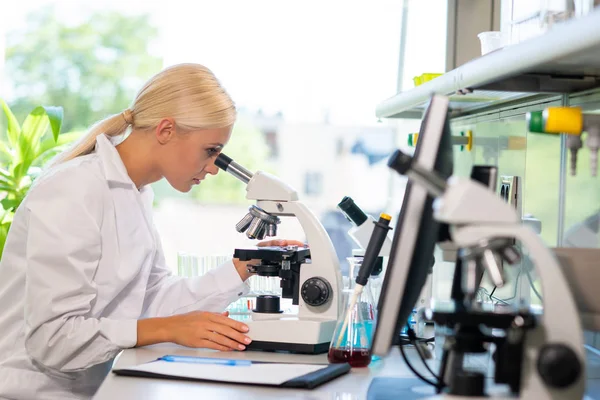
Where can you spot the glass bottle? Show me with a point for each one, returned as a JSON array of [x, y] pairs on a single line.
[[352, 338]]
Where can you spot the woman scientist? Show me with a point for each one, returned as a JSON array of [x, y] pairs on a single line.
[[83, 275]]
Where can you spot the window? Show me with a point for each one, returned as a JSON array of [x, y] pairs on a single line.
[[313, 183], [304, 79]]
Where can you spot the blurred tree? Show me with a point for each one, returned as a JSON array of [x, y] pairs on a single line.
[[91, 69], [249, 148]]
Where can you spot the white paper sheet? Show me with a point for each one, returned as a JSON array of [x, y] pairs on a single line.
[[266, 374]]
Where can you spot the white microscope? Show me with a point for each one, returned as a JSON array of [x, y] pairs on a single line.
[[361, 234], [536, 356], [310, 276], [363, 226]]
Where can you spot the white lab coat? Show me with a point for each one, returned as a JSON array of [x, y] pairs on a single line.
[[82, 263]]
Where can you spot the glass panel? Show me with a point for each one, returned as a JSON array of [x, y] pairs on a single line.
[[582, 200], [535, 160]]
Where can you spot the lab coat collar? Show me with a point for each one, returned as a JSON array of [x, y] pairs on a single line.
[[115, 171]]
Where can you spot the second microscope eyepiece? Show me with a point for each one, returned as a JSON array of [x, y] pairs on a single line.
[[352, 211]]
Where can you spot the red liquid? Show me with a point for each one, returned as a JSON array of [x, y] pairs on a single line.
[[354, 357]]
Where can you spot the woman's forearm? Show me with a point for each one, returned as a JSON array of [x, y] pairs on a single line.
[[242, 268], [152, 331]]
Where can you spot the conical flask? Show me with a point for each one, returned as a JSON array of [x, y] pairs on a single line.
[[351, 342]]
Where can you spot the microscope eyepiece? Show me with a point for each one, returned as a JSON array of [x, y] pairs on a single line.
[[223, 161], [352, 211], [405, 165], [228, 165], [400, 162]]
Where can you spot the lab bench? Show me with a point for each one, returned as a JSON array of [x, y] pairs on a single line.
[[352, 386]]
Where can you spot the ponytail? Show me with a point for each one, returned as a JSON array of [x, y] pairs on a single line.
[[114, 125], [188, 93]]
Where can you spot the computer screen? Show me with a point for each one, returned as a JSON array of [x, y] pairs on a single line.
[[416, 231]]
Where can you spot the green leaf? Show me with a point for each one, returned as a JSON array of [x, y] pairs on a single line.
[[5, 174], [8, 217], [19, 171], [13, 128], [55, 116], [4, 228], [35, 126], [10, 204], [64, 138], [6, 182], [5, 188], [6, 154]]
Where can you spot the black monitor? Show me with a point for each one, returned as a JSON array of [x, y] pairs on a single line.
[[416, 231]]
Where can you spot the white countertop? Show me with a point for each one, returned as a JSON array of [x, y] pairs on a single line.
[[352, 386]]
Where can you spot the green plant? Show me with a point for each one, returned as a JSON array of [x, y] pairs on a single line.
[[23, 152]]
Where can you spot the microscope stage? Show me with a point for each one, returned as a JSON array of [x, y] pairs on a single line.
[[294, 254]]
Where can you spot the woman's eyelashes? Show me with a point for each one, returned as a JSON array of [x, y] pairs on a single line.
[[213, 151]]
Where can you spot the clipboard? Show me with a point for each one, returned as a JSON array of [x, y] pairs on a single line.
[[285, 375]]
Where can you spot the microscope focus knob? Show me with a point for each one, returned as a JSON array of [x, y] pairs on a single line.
[[316, 291], [558, 365]]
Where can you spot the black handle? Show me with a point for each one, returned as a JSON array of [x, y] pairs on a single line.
[[373, 248]]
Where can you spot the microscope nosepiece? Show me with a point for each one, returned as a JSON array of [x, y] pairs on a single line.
[[263, 231], [272, 230], [254, 228], [244, 223]]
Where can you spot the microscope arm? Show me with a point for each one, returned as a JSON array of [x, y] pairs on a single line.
[[324, 261], [264, 186], [580, 267], [560, 322], [477, 214], [553, 362], [277, 198]]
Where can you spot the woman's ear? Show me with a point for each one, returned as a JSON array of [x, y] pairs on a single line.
[[165, 130]]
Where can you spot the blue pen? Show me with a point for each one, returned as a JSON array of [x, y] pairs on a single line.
[[206, 360]]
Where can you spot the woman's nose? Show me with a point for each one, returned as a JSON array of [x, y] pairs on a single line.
[[211, 168]]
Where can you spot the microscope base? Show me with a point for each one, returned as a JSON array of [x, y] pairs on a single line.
[[384, 388], [298, 348], [285, 332]]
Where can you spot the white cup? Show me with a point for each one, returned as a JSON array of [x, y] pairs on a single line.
[[491, 41]]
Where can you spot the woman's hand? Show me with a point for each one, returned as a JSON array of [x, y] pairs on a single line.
[[195, 329], [242, 266], [280, 242]]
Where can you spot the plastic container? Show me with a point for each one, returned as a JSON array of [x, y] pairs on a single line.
[[411, 322], [425, 77], [491, 41]]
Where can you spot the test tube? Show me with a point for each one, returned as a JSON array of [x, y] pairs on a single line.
[[194, 266], [182, 264]]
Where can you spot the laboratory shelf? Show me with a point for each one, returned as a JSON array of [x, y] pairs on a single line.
[[564, 60]]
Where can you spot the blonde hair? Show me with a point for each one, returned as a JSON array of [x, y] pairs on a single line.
[[188, 93]]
